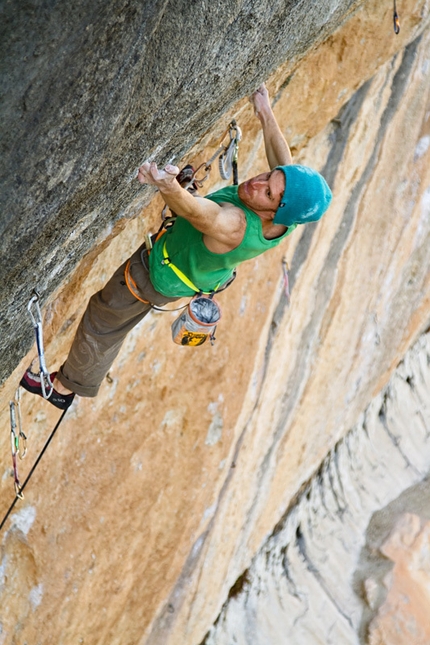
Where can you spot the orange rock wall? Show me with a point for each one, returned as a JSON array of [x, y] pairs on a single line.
[[154, 497]]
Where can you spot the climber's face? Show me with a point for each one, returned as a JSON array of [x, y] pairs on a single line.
[[263, 193]]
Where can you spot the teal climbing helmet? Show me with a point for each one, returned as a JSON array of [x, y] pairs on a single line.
[[306, 196]]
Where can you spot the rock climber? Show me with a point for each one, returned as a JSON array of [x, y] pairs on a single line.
[[210, 237]]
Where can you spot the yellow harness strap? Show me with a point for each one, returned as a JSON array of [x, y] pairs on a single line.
[[181, 275]]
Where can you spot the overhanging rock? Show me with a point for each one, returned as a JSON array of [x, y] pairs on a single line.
[[93, 89]]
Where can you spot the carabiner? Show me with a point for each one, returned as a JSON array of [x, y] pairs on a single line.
[[207, 168], [15, 447], [285, 269], [45, 379], [18, 439], [227, 161]]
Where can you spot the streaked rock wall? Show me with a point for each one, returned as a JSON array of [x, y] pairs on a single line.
[[349, 562], [92, 89], [154, 498]]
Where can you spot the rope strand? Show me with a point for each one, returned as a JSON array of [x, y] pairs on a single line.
[[33, 468]]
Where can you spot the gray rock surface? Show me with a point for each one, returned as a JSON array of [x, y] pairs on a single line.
[[306, 584], [90, 90]]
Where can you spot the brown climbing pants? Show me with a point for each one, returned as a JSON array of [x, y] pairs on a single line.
[[110, 315]]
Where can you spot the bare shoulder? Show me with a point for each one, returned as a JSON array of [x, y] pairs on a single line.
[[229, 230], [233, 211]]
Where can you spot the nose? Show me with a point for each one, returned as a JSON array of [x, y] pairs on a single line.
[[257, 182]]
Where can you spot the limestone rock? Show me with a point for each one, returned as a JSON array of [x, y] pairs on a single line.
[[304, 584], [91, 90], [157, 499]]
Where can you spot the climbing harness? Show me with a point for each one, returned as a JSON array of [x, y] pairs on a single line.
[[36, 319], [285, 270], [133, 288], [396, 21], [168, 262], [198, 322], [131, 284], [18, 440], [193, 327], [188, 178]]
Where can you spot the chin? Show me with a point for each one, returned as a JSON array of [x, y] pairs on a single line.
[[243, 194]]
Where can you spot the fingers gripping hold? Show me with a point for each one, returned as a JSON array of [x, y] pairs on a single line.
[[260, 100], [148, 173]]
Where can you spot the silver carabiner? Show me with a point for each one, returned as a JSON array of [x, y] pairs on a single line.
[[36, 319], [229, 155]]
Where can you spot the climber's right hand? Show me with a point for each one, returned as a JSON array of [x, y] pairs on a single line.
[[164, 180]]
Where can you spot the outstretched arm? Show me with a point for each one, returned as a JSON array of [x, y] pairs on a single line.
[[225, 224], [277, 150]]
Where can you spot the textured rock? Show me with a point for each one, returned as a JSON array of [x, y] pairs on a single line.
[[309, 583], [91, 90], [154, 498], [404, 616]]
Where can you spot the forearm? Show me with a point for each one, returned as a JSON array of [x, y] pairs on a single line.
[[277, 149], [225, 225], [181, 202]]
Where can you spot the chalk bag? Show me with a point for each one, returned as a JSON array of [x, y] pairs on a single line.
[[197, 323]]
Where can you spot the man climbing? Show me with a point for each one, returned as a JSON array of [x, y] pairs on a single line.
[[210, 237]]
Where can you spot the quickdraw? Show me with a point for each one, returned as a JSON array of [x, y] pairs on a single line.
[[227, 161], [396, 21], [18, 440], [285, 270], [227, 154], [19, 494], [36, 319]]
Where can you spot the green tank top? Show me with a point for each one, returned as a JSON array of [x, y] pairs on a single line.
[[187, 251]]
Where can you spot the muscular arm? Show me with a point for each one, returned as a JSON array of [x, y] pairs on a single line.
[[277, 150], [221, 225]]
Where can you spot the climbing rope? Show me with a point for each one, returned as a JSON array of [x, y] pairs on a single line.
[[19, 494], [18, 439]]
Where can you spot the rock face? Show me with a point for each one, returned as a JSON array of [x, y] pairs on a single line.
[[345, 564], [156, 502], [91, 90]]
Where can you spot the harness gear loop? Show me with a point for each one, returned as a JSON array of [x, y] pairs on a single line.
[[131, 284], [36, 319]]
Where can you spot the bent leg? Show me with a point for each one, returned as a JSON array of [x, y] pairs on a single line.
[[110, 315]]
